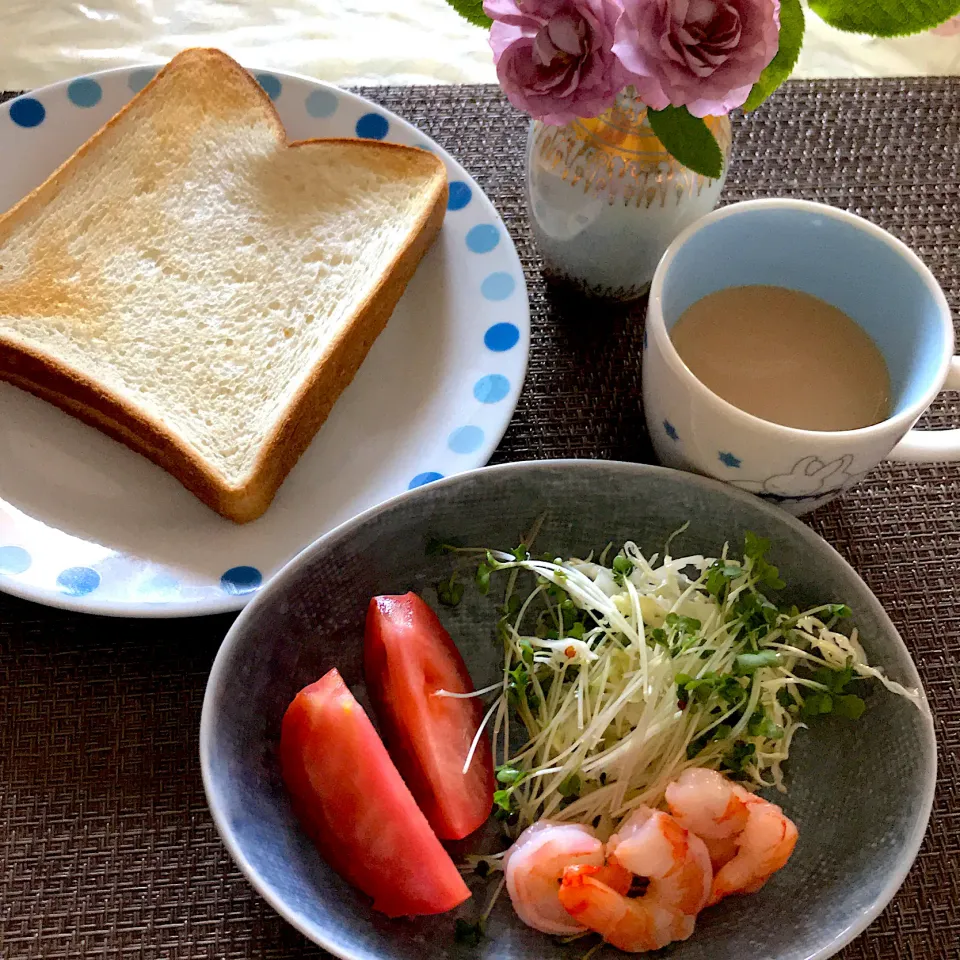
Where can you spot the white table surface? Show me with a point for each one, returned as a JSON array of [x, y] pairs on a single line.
[[344, 41]]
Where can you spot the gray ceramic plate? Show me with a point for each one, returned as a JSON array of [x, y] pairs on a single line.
[[859, 792]]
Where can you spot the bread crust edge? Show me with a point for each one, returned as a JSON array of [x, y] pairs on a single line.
[[87, 400]]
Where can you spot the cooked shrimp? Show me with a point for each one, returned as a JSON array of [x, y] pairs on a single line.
[[709, 805], [763, 847], [653, 845], [749, 838], [534, 866]]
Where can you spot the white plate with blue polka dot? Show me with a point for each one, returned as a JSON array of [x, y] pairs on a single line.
[[89, 525]]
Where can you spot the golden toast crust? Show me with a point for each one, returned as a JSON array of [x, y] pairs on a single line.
[[47, 377]]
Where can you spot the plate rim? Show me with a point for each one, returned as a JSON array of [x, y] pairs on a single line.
[[231, 603]]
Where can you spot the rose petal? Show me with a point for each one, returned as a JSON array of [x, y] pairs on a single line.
[[567, 34]]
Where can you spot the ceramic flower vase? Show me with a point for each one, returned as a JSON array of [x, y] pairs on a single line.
[[606, 199]]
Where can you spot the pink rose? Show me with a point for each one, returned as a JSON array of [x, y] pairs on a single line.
[[554, 58], [701, 54], [949, 29]]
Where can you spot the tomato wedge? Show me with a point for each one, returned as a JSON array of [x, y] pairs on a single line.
[[356, 808], [408, 656]]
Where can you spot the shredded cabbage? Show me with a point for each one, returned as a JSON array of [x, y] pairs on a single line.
[[622, 675]]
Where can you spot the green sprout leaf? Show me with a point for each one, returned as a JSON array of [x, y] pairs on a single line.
[[686, 625], [483, 577], [747, 663], [816, 705], [739, 754], [834, 680], [450, 591], [754, 547], [885, 18], [472, 10], [781, 66], [839, 610], [688, 139], [570, 787], [503, 800], [467, 934], [762, 726], [719, 575], [849, 707], [435, 546], [507, 774]]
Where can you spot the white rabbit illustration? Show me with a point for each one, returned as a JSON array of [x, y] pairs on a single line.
[[809, 477]]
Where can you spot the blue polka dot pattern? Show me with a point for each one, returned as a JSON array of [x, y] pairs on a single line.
[[322, 103], [498, 286], [483, 238], [465, 439], [460, 194], [423, 478], [501, 337], [492, 388], [140, 78], [84, 92], [160, 583], [78, 581], [27, 112], [239, 580], [271, 85], [14, 560], [372, 126]]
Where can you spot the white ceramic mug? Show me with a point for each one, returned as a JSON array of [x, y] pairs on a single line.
[[840, 258]]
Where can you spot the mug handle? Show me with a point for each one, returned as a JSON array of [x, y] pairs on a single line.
[[931, 446]]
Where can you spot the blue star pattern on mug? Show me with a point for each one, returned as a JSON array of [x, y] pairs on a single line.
[[729, 460], [670, 430]]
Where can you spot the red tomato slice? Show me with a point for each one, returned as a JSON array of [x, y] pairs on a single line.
[[356, 808], [407, 657]]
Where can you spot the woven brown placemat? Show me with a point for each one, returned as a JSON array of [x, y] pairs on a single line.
[[106, 846]]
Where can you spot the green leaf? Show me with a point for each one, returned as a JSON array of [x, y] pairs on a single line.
[[839, 610], [849, 707], [682, 624], [754, 547], [781, 66], [816, 704], [472, 10], [570, 787], [885, 18], [719, 575], [751, 662], [762, 726], [483, 578], [508, 774], [450, 592], [689, 139], [435, 546], [738, 756], [503, 800], [468, 934]]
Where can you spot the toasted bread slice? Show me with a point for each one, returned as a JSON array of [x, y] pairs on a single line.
[[201, 289]]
